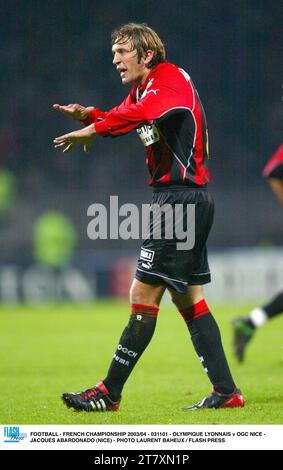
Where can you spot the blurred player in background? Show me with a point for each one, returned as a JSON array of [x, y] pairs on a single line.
[[165, 109], [244, 328]]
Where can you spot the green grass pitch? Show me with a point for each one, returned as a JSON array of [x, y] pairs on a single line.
[[49, 350]]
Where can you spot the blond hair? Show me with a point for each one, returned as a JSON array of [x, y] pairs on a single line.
[[143, 38]]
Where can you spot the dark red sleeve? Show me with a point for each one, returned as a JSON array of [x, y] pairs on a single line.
[[165, 95], [97, 115], [94, 116]]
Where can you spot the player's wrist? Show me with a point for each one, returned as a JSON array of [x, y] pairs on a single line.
[[86, 120], [88, 117], [90, 130]]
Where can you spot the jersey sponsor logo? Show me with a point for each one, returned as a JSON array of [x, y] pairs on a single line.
[[148, 133], [147, 255]]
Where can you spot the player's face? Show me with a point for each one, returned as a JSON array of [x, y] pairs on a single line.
[[126, 62]]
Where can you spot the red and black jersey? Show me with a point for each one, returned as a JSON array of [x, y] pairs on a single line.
[[274, 166], [168, 115]]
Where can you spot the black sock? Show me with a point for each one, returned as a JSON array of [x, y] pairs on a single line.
[[207, 342], [249, 322], [134, 340], [275, 307]]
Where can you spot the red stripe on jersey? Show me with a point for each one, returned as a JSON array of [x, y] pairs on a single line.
[[275, 161], [199, 154]]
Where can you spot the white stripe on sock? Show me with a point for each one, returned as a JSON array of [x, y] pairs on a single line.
[[258, 317]]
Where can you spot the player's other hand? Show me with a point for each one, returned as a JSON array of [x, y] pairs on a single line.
[[68, 141], [75, 111]]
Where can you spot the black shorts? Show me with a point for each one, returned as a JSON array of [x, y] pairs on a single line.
[[163, 260]]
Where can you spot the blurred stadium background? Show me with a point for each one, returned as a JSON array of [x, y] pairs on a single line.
[[60, 52]]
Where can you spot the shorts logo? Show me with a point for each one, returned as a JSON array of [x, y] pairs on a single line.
[[147, 265], [147, 255]]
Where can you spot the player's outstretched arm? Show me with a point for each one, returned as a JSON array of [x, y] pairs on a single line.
[[75, 111], [68, 141]]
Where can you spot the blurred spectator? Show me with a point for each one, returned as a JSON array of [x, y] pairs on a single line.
[[54, 239], [7, 190]]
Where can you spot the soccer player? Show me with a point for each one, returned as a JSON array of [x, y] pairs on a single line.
[[165, 109], [244, 328]]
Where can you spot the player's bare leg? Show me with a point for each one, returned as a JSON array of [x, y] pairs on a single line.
[[206, 339], [141, 293], [106, 395]]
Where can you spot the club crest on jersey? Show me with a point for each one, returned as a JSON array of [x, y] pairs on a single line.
[[147, 91], [150, 81]]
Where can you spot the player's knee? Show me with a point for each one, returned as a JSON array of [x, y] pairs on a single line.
[[180, 300], [193, 295], [139, 298], [144, 295]]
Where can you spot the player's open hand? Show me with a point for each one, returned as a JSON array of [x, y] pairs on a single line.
[[74, 111], [84, 136]]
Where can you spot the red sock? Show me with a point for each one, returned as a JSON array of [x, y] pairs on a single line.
[[194, 311]]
